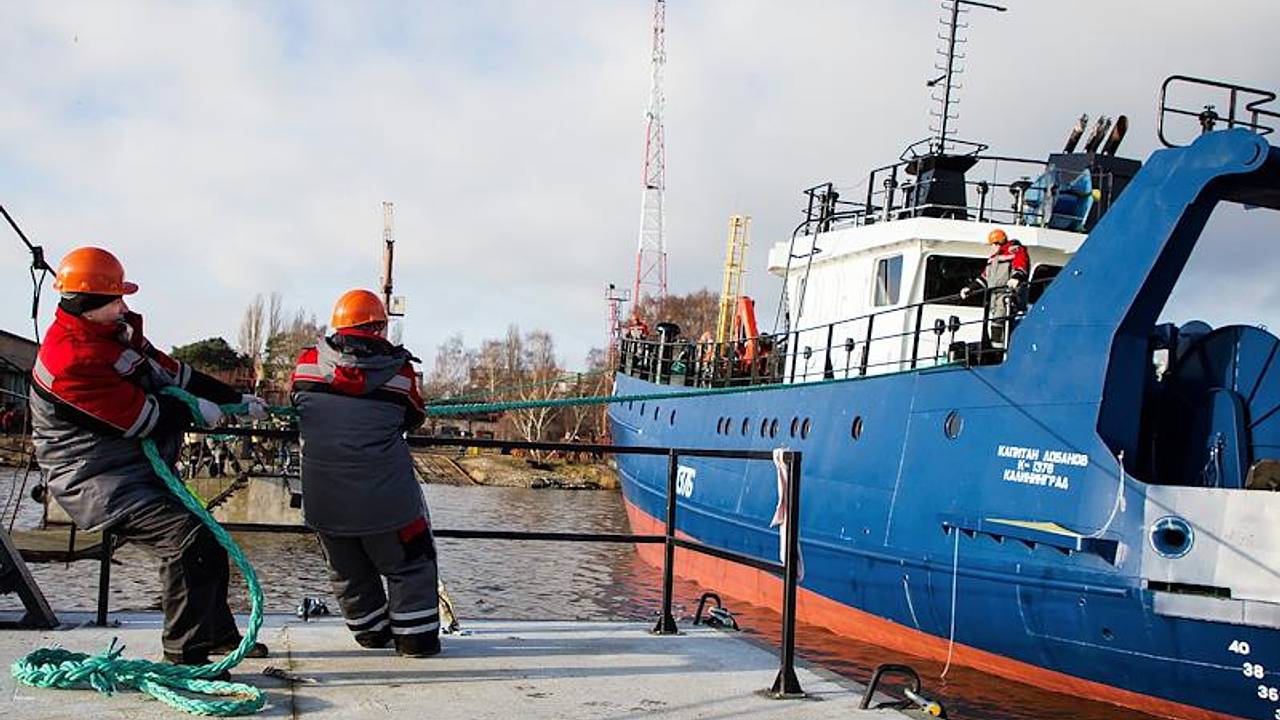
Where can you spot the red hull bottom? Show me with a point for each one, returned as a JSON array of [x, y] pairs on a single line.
[[761, 588]]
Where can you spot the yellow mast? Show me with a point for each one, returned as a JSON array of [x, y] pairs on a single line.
[[734, 264]]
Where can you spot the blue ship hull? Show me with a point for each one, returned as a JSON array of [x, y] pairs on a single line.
[[873, 512], [1008, 483]]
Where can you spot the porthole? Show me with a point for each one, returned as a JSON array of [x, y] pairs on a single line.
[[953, 425], [631, 404], [728, 425], [804, 429], [855, 431], [764, 427], [655, 412], [1172, 537], [672, 419], [773, 428], [795, 423], [641, 409], [719, 424], [746, 426]]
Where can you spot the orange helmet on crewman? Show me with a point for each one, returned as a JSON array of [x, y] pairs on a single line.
[[997, 237], [92, 270], [357, 307]]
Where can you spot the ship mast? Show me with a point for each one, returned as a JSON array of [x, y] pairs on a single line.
[[950, 69]]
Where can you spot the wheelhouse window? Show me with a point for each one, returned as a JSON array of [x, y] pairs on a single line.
[[1041, 276], [888, 280], [946, 275]]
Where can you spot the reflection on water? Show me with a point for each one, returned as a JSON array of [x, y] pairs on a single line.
[[542, 580]]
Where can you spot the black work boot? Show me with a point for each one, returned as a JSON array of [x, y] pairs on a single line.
[[195, 660], [226, 648], [374, 638], [418, 645]]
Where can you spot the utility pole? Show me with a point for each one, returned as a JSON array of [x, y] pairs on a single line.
[[651, 255], [394, 303], [388, 252]]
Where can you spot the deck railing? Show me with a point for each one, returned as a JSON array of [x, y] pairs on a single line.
[[785, 684], [864, 345]]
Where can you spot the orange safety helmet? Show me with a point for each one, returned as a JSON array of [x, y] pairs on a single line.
[[997, 237], [92, 270], [357, 307]]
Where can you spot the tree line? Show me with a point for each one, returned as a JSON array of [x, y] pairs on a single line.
[[518, 366]]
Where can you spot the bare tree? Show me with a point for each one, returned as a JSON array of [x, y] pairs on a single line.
[[488, 367], [284, 346], [538, 383], [695, 313], [452, 370], [589, 420], [252, 337], [275, 315]]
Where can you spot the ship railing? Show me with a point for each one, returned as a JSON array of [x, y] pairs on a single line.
[[938, 331], [1245, 107], [1033, 189], [785, 685]]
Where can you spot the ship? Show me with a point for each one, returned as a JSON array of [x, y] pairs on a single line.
[[1070, 493]]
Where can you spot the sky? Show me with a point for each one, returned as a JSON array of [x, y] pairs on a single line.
[[224, 149]]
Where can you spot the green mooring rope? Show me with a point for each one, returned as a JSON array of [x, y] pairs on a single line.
[[452, 409], [173, 685]]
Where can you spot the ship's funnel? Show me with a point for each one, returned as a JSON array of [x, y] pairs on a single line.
[[1076, 133], [1117, 134], [1099, 132]]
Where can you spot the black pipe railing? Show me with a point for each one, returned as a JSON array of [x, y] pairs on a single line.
[[779, 357], [888, 195], [785, 684], [1250, 116]]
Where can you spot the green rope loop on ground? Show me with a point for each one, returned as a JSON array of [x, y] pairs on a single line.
[[175, 685]]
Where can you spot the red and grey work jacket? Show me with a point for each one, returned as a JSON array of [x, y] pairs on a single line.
[[356, 396], [1009, 261], [93, 400]]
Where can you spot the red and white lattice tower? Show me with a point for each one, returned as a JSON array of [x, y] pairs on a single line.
[[651, 256]]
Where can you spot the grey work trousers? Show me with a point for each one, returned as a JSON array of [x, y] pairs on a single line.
[[193, 578], [409, 604]]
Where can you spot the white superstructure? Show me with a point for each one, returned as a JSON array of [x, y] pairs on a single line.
[[839, 280]]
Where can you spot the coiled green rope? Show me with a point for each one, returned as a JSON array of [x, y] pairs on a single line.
[[175, 685]]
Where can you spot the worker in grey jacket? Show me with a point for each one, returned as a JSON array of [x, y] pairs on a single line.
[[356, 396]]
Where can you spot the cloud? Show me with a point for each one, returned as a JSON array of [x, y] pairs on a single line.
[[225, 149]]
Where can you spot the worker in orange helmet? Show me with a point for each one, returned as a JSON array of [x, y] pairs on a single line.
[[357, 394], [1005, 279], [94, 398]]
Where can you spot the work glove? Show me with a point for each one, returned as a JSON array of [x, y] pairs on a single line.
[[130, 331], [1013, 283], [257, 407], [210, 413], [965, 292]]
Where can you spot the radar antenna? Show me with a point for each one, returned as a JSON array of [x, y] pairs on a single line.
[[950, 69]]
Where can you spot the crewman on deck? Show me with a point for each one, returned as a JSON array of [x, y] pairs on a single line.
[[357, 395], [94, 398], [1005, 279]]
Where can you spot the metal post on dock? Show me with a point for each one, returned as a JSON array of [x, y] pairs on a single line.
[[104, 577], [667, 622], [786, 684]]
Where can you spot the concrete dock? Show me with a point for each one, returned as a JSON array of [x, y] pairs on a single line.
[[495, 669]]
